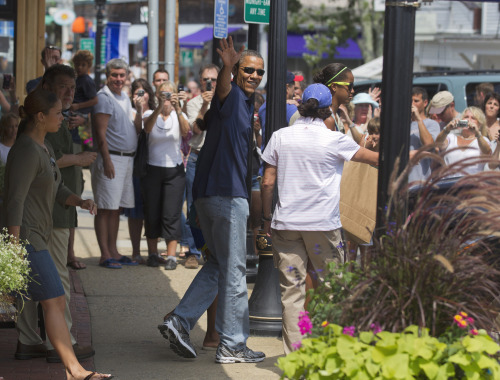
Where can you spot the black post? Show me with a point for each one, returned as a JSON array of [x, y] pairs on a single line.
[[253, 36], [215, 55], [264, 305], [397, 75], [100, 4]]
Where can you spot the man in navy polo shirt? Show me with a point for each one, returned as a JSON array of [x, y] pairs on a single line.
[[220, 197]]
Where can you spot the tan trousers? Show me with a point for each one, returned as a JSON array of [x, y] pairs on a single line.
[[292, 250], [28, 318]]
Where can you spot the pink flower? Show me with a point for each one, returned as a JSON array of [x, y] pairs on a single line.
[[296, 345], [474, 332], [349, 330], [305, 324], [470, 320], [375, 327], [324, 324]]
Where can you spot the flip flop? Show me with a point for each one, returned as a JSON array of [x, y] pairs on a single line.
[[124, 260], [90, 376], [110, 264], [76, 265]]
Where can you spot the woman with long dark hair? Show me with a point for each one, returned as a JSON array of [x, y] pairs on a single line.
[[32, 184], [491, 109]]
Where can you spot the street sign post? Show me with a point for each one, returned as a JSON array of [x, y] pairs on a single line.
[[220, 18], [87, 44], [186, 58], [257, 11]]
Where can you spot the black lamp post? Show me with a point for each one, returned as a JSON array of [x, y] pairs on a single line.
[[100, 5], [397, 75]]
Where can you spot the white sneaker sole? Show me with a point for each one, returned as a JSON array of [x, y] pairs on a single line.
[[230, 360], [176, 343]]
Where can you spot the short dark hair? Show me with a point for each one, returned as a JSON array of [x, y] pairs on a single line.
[[310, 109], [161, 71], [84, 56], [486, 88], [208, 66], [420, 91], [50, 75]]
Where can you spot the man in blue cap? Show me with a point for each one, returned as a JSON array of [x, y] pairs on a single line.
[[306, 221]]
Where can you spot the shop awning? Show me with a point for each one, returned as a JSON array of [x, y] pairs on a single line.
[[198, 39], [296, 46]]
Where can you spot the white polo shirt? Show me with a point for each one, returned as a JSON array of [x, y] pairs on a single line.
[[309, 160]]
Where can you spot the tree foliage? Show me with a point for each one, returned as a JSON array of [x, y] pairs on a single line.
[[331, 25]]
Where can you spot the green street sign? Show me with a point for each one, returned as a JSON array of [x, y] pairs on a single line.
[[257, 11], [87, 44], [186, 58]]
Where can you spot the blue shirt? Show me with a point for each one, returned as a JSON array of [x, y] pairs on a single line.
[[290, 110], [222, 162]]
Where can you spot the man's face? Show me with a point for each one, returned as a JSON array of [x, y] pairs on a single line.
[[290, 88], [447, 115], [297, 90], [64, 87], [52, 57], [208, 74], [249, 82], [116, 80], [419, 103], [159, 79]]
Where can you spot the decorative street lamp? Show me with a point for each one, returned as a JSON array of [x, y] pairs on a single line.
[[100, 5]]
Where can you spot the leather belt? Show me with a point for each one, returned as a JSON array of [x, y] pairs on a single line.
[[123, 154]]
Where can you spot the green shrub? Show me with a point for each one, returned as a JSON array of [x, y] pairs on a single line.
[[411, 354]]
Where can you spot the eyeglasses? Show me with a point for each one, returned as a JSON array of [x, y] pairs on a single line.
[[53, 47], [349, 85], [53, 164], [207, 79], [251, 70]]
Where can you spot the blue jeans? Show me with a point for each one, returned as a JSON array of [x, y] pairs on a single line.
[[187, 237], [223, 221]]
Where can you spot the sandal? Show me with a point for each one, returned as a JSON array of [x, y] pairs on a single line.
[[76, 265], [89, 377], [110, 264], [124, 260]]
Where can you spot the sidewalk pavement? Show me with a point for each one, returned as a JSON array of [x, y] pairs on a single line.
[[125, 307]]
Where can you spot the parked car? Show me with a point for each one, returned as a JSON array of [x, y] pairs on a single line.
[[462, 84]]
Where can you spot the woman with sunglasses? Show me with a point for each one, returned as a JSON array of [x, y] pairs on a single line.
[[32, 184], [339, 79]]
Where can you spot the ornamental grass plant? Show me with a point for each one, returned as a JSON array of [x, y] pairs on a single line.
[[14, 269]]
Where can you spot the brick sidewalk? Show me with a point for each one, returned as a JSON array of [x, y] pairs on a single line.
[[39, 369]]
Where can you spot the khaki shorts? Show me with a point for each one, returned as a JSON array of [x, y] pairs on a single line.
[[111, 194]]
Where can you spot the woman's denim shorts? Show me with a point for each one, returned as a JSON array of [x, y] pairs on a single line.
[[45, 281]]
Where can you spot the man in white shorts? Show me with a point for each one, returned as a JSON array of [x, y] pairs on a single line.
[[116, 138]]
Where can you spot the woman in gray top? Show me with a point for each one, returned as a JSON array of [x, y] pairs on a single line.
[[32, 184]]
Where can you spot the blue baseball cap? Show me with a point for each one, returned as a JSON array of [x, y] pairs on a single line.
[[319, 92]]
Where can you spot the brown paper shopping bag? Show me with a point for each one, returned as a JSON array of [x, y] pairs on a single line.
[[358, 201]]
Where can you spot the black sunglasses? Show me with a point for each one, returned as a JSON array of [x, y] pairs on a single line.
[[251, 70], [53, 164]]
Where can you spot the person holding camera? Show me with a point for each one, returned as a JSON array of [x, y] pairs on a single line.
[[163, 185], [472, 140]]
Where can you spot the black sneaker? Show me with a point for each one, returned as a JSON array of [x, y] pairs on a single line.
[[153, 261], [178, 337], [226, 355], [171, 264]]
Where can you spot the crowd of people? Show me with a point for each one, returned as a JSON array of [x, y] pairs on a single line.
[[204, 148]]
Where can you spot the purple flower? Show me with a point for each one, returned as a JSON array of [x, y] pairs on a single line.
[[290, 269], [305, 324], [349, 330], [317, 249], [375, 327], [296, 345], [340, 245]]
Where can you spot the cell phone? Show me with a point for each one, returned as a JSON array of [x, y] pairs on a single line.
[[166, 94], [209, 85], [7, 79], [180, 88], [463, 123], [140, 92]]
